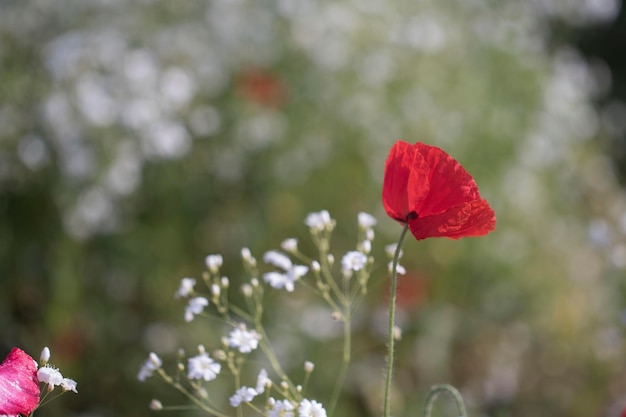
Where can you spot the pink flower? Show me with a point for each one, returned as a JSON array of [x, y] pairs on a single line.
[[19, 386]]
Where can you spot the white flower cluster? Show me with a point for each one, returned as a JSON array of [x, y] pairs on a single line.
[[277, 408], [288, 276], [51, 376]]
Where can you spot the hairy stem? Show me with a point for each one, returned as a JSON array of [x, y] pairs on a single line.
[[392, 318]]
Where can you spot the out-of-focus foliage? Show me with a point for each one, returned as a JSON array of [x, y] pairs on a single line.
[[136, 137]]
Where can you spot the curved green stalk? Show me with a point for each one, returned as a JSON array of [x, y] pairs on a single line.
[[436, 390]]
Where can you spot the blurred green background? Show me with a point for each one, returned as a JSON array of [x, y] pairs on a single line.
[[138, 137]]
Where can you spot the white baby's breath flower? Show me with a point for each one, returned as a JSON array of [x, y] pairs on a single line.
[[311, 409], [155, 405], [246, 254], [369, 234], [243, 394], [353, 261], [50, 375], [262, 382], [315, 266], [186, 288], [290, 245], [366, 246], [69, 385], [308, 367], [282, 408], [366, 220], [319, 221], [203, 367], [214, 262], [390, 250], [194, 307], [147, 369], [243, 339], [285, 279], [399, 269]]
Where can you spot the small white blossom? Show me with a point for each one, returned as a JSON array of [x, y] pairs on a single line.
[[69, 385], [369, 234], [399, 269], [353, 261], [290, 245], [308, 367], [147, 369], [315, 266], [319, 221], [262, 381], [203, 367], [366, 246], [214, 262], [366, 221], [246, 254], [45, 355], [243, 339], [215, 290], [194, 307], [246, 289], [390, 250], [282, 408], [186, 288], [311, 409], [243, 394], [50, 376], [224, 282], [285, 279], [155, 405], [277, 259]]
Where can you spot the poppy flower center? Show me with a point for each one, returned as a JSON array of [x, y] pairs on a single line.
[[412, 216]]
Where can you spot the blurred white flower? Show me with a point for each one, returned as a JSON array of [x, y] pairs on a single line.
[[290, 245], [282, 408], [186, 288], [319, 221], [311, 409], [285, 279], [243, 339], [353, 261], [214, 262], [203, 367], [262, 381], [366, 220], [147, 369], [196, 306], [243, 394]]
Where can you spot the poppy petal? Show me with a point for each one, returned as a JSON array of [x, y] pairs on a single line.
[[475, 218], [19, 386], [450, 184], [406, 181]]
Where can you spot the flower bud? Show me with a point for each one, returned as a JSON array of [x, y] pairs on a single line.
[[308, 367], [45, 356], [155, 405]]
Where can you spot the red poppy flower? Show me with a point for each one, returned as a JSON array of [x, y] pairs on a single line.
[[19, 386], [427, 188], [262, 87]]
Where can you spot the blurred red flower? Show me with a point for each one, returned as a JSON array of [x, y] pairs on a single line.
[[427, 188], [19, 386], [262, 87]]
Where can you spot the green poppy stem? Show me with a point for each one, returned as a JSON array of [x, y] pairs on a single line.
[[392, 318], [436, 390]]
